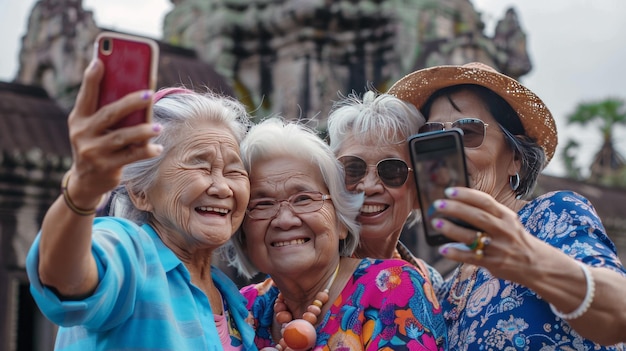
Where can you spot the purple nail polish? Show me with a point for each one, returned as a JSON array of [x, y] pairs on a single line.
[[437, 223], [157, 127], [451, 192], [147, 94], [440, 204], [443, 250]]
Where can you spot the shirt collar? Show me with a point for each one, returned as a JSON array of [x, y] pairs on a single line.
[[166, 255]]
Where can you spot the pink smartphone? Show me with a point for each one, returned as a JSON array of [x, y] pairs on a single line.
[[130, 65]]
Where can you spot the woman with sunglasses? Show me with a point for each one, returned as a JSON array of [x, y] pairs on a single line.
[[540, 273], [300, 229], [369, 137]]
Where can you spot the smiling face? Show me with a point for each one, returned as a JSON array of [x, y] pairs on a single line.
[[490, 165], [202, 189], [291, 244], [385, 208]]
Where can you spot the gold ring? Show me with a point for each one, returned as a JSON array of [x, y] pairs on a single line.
[[479, 254], [479, 251], [474, 245]]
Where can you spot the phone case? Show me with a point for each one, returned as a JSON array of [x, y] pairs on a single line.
[[438, 161], [130, 65]]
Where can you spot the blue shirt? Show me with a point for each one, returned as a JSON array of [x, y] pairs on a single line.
[[485, 313], [144, 301]]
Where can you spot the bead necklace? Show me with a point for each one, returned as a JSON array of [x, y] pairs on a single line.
[[300, 334], [459, 301]]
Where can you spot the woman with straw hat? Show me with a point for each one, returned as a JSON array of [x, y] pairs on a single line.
[[540, 273]]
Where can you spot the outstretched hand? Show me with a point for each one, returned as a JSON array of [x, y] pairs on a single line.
[[99, 153]]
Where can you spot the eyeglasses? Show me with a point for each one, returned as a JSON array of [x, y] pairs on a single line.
[[302, 202], [474, 130], [393, 172]]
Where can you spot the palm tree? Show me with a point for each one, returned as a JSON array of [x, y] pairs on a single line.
[[569, 157], [608, 166]]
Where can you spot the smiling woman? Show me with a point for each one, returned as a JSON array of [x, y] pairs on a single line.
[[301, 229], [136, 280]]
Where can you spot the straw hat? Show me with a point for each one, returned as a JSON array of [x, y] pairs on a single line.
[[537, 120]]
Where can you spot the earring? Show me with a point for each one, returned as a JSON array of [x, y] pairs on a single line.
[[514, 181]]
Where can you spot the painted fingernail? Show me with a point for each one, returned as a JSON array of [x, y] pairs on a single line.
[[440, 204], [437, 223], [443, 250], [451, 192], [157, 127], [146, 95]]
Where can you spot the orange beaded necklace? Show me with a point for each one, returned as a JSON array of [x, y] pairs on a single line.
[[300, 334]]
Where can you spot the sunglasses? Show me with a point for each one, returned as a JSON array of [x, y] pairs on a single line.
[[474, 130], [392, 172]]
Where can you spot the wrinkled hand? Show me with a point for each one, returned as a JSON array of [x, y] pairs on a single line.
[[510, 247], [98, 152]]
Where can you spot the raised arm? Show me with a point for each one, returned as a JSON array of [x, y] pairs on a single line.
[[66, 263]]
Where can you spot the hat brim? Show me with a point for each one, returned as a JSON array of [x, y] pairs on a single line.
[[537, 120]]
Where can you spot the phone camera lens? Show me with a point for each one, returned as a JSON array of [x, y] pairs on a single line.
[[106, 45]]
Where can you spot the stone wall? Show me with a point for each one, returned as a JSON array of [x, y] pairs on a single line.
[[291, 57]]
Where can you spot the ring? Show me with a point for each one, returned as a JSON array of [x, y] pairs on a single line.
[[478, 245], [474, 245], [479, 254]]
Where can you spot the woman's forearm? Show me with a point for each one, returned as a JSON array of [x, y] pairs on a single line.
[[66, 263], [560, 281]]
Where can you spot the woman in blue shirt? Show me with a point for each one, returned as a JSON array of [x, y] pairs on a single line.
[[143, 280]]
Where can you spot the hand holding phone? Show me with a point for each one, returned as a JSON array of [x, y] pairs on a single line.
[[130, 65], [438, 162]]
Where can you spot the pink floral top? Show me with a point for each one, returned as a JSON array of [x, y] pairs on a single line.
[[382, 307]]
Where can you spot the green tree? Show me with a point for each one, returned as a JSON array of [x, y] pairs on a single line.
[[608, 164], [569, 158]]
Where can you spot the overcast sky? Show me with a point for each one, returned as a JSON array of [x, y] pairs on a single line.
[[577, 47]]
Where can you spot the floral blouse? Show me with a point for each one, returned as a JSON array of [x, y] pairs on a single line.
[[485, 313], [382, 307]]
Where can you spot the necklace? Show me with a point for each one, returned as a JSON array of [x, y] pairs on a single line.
[[457, 301], [300, 334]]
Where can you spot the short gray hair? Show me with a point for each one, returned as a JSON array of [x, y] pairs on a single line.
[[176, 112], [275, 137], [377, 119], [380, 119]]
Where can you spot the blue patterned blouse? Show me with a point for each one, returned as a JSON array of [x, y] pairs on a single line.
[[502, 315]]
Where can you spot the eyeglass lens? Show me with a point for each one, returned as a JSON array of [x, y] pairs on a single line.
[[473, 130], [392, 172]]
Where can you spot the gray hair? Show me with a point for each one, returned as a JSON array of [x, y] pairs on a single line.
[[378, 119], [275, 137], [176, 113]]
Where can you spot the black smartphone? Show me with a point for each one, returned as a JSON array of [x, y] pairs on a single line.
[[130, 64], [438, 162]]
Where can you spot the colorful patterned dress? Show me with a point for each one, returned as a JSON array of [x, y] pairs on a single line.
[[382, 307], [485, 313]]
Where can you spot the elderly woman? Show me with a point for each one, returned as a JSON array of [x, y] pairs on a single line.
[[300, 229], [146, 282], [540, 273], [369, 137]]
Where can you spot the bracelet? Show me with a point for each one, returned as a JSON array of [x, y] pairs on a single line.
[[584, 306], [68, 201]]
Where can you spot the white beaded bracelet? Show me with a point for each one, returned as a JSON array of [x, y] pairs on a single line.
[[584, 306]]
